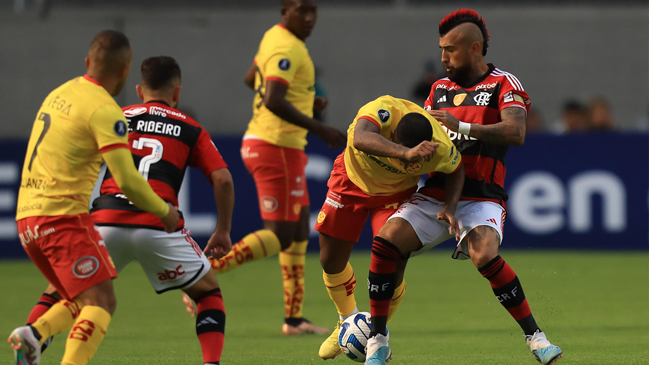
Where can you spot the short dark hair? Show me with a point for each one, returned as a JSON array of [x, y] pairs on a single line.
[[107, 49], [413, 128], [159, 72], [573, 105], [465, 16]]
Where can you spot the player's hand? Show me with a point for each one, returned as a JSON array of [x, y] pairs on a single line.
[[449, 218], [445, 118], [219, 245], [332, 136], [320, 103], [171, 219], [423, 151]]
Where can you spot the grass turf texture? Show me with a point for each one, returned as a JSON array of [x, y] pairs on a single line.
[[595, 306]]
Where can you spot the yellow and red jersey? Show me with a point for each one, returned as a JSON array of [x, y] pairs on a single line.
[[379, 176], [284, 58], [76, 123]]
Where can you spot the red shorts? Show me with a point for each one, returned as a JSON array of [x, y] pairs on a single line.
[[279, 176], [346, 208], [68, 250]]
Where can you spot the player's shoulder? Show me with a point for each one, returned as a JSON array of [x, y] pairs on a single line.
[[158, 109], [279, 38], [505, 78]]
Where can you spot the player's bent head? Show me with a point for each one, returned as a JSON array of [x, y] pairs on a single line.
[[413, 128], [470, 24]]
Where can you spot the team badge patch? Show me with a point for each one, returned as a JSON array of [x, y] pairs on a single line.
[[321, 217], [284, 64], [414, 167], [120, 128], [296, 208], [458, 99], [384, 115], [85, 267], [269, 204], [135, 111]]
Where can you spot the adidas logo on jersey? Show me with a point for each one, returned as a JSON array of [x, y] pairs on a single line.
[[208, 320], [442, 99]]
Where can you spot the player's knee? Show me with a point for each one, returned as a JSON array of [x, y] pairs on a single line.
[[483, 245]]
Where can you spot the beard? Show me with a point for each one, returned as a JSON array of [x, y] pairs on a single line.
[[460, 75]]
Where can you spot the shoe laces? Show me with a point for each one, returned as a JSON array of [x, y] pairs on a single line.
[[537, 340]]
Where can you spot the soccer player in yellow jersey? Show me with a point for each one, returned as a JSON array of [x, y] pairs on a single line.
[[77, 126], [390, 143], [283, 77]]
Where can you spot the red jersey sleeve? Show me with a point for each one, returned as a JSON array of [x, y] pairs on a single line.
[[513, 94], [206, 156], [428, 104]]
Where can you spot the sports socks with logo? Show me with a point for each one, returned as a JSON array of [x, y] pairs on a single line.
[[210, 325], [509, 292], [381, 283], [59, 318], [292, 262], [255, 246], [341, 289], [87, 333]]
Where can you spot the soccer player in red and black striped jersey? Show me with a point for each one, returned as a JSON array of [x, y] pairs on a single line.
[[483, 109]]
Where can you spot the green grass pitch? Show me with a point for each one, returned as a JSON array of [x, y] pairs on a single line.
[[595, 306]]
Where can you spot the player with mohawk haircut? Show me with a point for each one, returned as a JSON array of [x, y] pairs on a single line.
[[483, 110]]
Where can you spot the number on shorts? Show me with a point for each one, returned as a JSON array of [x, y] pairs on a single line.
[[153, 157], [47, 120]]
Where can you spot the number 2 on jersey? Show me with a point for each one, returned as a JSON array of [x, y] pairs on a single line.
[[47, 120], [156, 154]]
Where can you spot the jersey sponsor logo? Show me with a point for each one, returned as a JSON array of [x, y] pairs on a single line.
[[85, 267], [174, 274], [28, 235], [446, 87], [482, 99], [386, 166], [458, 99], [485, 86], [135, 111], [384, 115], [158, 127], [452, 150], [156, 110], [508, 97], [321, 217], [269, 204], [457, 136], [120, 128], [414, 168], [245, 153], [284, 64], [454, 162], [332, 203], [442, 99], [297, 193]]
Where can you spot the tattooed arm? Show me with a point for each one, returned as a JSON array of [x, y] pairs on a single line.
[[510, 131]]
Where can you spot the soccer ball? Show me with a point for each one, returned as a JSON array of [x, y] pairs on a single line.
[[353, 336]]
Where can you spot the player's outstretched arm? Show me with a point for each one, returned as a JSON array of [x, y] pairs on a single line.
[[220, 243], [250, 77], [137, 190], [453, 188], [275, 101], [368, 140], [510, 131]]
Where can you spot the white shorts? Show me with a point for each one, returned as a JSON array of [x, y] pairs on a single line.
[[421, 212], [170, 260]]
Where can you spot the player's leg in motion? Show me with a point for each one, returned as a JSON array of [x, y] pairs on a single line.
[[49, 298], [390, 250], [210, 320], [484, 242]]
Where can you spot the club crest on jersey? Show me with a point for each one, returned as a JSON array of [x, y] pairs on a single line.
[[321, 217], [284, 64], [458, 99], [85, 266], [120, 128], [414, 168], [384, 115], [482, 99], [135, 111]]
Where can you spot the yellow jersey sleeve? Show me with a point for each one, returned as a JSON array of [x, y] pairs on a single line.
[[381, 113], [108, 126], [283, 65]]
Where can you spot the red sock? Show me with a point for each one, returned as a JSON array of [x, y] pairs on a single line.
[[381, 281], [210, 326], [44, 304], [508, 290]]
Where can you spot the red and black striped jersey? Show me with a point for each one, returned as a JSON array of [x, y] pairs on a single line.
[[163, 142], [484, 163]]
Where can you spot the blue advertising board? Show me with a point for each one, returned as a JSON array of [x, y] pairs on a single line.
[[587, 191]]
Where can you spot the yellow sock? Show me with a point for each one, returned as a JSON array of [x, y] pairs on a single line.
[[292, 262], [86, 335], [341, 288], [396, 299], [255, 246], [57, 319]]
